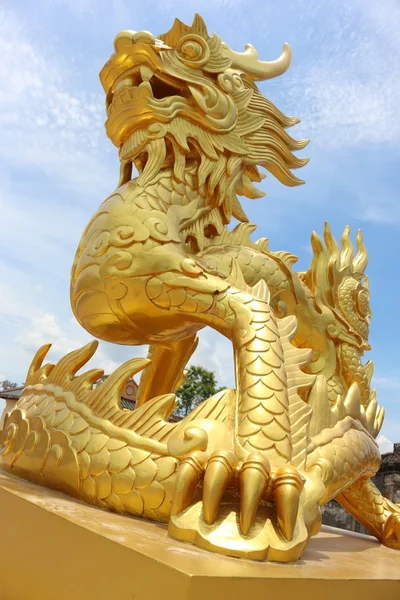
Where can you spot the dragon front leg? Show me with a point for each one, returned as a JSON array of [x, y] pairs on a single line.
[[253, 479], [255, 462], [381, 517], [253, 459], [161, 295], [170, 361]]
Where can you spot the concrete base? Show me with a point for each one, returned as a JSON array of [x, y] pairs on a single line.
[[54, 547]]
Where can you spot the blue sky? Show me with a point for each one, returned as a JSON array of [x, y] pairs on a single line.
[[57, 166]]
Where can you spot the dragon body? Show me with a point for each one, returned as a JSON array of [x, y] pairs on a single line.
[[246, 472]]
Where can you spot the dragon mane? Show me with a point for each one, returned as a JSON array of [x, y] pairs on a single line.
[[226, 156]]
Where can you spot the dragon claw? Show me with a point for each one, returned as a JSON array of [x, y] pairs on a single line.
[[287, 489], [219, 473], [254, 478], [391, 535], [188, 476]]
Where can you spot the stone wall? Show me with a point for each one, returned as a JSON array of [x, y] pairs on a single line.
[[387, 480]]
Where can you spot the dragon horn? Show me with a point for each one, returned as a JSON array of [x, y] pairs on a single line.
[[258, 70]]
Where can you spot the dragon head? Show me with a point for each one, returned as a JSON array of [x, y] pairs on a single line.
[[338, 280], [185, 100]]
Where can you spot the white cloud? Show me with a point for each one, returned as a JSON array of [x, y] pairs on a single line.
[[81, 7], [385, 445], [387, 383], [18, 298], [46, 329], [348, 91], [11, 304], [45, 122], [215, 353], [47, 239], [383, 215], [30, 318]]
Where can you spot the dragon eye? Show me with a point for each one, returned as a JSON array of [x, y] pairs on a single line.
[[237, 80], [194, 51], [230, 82]]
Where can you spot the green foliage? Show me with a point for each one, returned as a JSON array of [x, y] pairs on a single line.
[[7, 385], [200, 384]]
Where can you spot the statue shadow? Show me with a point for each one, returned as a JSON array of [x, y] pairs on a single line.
[[338, 541]]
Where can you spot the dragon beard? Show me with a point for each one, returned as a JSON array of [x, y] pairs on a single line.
[[225, 163], [182, 145]]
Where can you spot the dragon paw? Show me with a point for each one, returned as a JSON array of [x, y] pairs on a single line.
[[222, 475], [391, 533]]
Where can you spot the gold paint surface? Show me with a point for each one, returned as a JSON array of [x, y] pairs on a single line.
[[132, 558], [244, 474]]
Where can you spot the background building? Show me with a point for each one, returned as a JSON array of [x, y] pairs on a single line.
[[387, 480], [128, 396]]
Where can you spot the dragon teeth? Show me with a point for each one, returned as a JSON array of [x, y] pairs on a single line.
[[146, 72], [145, 89], [117, 100], [125, 95], [125, 83]]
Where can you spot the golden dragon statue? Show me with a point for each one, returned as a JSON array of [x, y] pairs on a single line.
[[244, 474]]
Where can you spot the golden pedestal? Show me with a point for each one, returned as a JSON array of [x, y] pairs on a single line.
[[54, 547]]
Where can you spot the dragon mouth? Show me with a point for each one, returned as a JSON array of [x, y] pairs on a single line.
[[141, 82], [140, 96], [146, 84]]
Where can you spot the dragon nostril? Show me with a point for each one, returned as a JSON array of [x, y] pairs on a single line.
[[144, 37], [129, 37], [123, 38]]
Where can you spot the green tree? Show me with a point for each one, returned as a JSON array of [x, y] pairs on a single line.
[[7, 385], [199, 385]]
